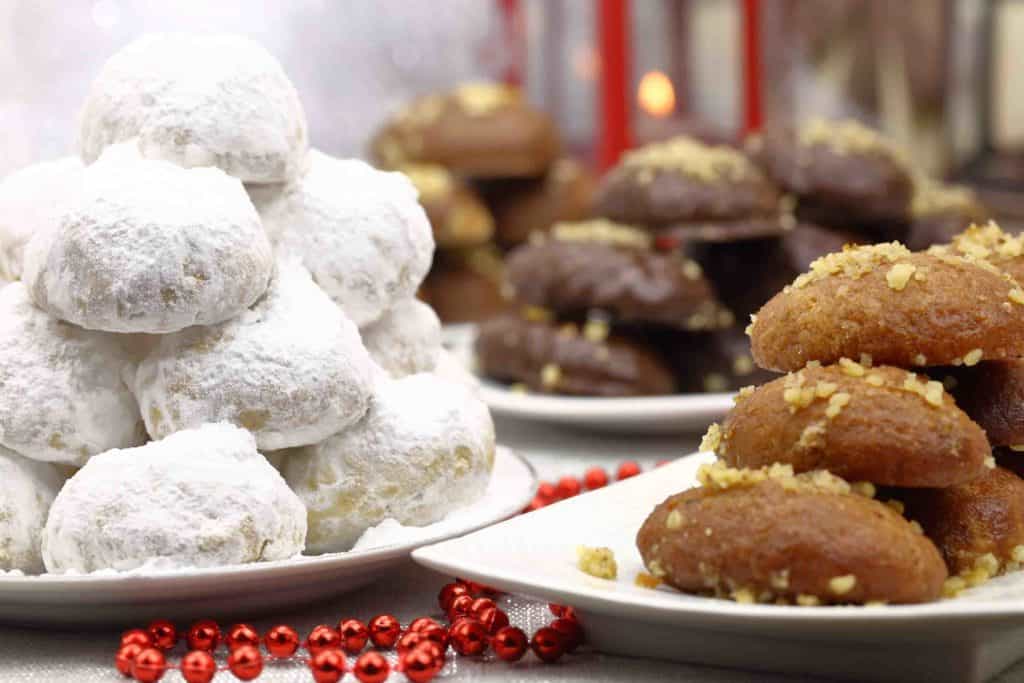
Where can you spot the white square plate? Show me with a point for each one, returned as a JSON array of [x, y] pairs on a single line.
[[967, 639]]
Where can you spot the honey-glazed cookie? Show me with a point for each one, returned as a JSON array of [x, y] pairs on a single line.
[[592, 266], [465, 285], [769, 535], [484, 130], [990, 243], [939, 212], [993, 395], [901, 308], [878, 424], [978, 525], [565, 359], [456, 212]]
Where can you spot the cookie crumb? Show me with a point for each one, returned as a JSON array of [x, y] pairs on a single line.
[[598, 562], [645, 580], [712, 438]]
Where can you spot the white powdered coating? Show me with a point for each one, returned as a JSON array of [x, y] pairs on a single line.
[[292, 370], [28, 199], [199, 100], [27, 490], [62, 398], [405, 340], [199, 498], [449, 366], [147, 246], [361, 232], [425, 448]]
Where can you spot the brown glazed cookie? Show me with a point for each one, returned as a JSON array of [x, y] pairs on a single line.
[[901, 308], [466, 285], [990, 243], [709, 362], [565, 359], [594, 266], [973, 520], [682, 181], [768, 535], [877, 424], [524, 206], [457, 214], [844, 174], [480, 130], [992, 394], [939, 212]]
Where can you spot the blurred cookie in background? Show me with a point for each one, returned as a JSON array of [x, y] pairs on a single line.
[[940, 211], [465, 285], [457, 214]]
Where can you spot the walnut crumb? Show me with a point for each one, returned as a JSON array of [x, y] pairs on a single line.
[[899, 275], [712, 439], [550, 376], [990, 462], [836, 403], [595, 330], [674, 520], [920, 360], [841, 585], [645, 580], [598, 562], [851, 367], [807, 600], [875, 380], [972, 357]]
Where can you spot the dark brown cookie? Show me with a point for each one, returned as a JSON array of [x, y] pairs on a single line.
[[481, 130], [901, 308], [683, 181], [524, 206], [567, 359], [593, 266], [709, 361], [972, 521], [993, 395], [762, 536], [466, 285], [457, 214], [877, 424], [940, 212], [843, 174]]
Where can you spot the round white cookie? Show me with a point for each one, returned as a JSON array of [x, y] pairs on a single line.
[[425, 448], [450, 367], [292, 370], [405, 340], [361, 232], [62, 397], [28, 199], [199, 498], [27, 490], [147, 246], [199, 100]]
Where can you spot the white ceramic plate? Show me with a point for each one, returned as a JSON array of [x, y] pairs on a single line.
[[248, 590], [967, 639], [650, 414]]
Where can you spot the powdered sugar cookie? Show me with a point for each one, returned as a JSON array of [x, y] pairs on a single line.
[[292, 370], [359, 231], [211, 100], [425, 448], [62, 398], [406, 339], [27, 489], [146, 246], [199, 498], [28, 197]]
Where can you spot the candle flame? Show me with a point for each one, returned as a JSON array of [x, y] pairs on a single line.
[[656, 95]]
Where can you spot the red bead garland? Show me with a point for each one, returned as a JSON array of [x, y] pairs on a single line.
[[493, 619], [371, 667], [242, 635], [125, 656], [547, 644], [468, 637], [571, 632], [245, 662], [198, 666], [449, 593], [321, 638], [510, 644], [137, 636], [354, 635], [569, 486], [163, 633], [328, 666], [149, 665], [203, 635], [384, 630], [627, 469], [281, 641], [419, 665]]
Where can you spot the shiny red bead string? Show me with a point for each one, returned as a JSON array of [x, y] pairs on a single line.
[[476, 624], [569, 486]]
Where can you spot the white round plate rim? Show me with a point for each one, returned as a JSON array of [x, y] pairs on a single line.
[[53, 584]]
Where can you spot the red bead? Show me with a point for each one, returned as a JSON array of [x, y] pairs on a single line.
[[460, 606], [627, 469], [198, 666], [571, 631], [203, 635], [420, 665], [149, 665], [595, 478], [409, 641], [493, 619], [510, 644], [137, 636], [371, 667], [569, 487], [328, 666], [468, 637], [125, 656], [241, 635], [164, 634], [437, 634], [662, 463], [476, 588], [434, 649], [384, 630], [281, 641], [557, 610], [421, 623], [354, 635], [548, 644], [479, 605], [449, 592], [547, 492], [246, 663], [322, 638], [535, 504], [666, 242]]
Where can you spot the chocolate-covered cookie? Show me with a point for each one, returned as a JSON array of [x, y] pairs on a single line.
[[466, 285], [481, 130], [843, 174], [457, 214], [601, 266], [709, 361], [524, 206], [939, 212], [568, 359]]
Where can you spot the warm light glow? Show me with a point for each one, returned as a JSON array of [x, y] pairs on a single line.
[[656, 95]]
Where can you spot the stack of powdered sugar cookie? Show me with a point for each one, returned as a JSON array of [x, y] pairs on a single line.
[[199, 295]]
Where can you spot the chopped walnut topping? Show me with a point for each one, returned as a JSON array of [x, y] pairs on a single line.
[[853, 261], [674, 520], [899, 275], [808, 600], [744, 596], [479, 99], [864, 488], [931, 198], [694, 159], [599, 562], [721, 477], [920, 360], [836, 403], [742, 365], [990, 462], [896, 505], [537, 314], [875, 380], [780, 579], [972, 357], [749, 390], [841, 585], [692, 270], [712, 438], [1016, 295], [645, 580], [603, 231], [550, 376], [851, 368], [596, 330], [518, 388]]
